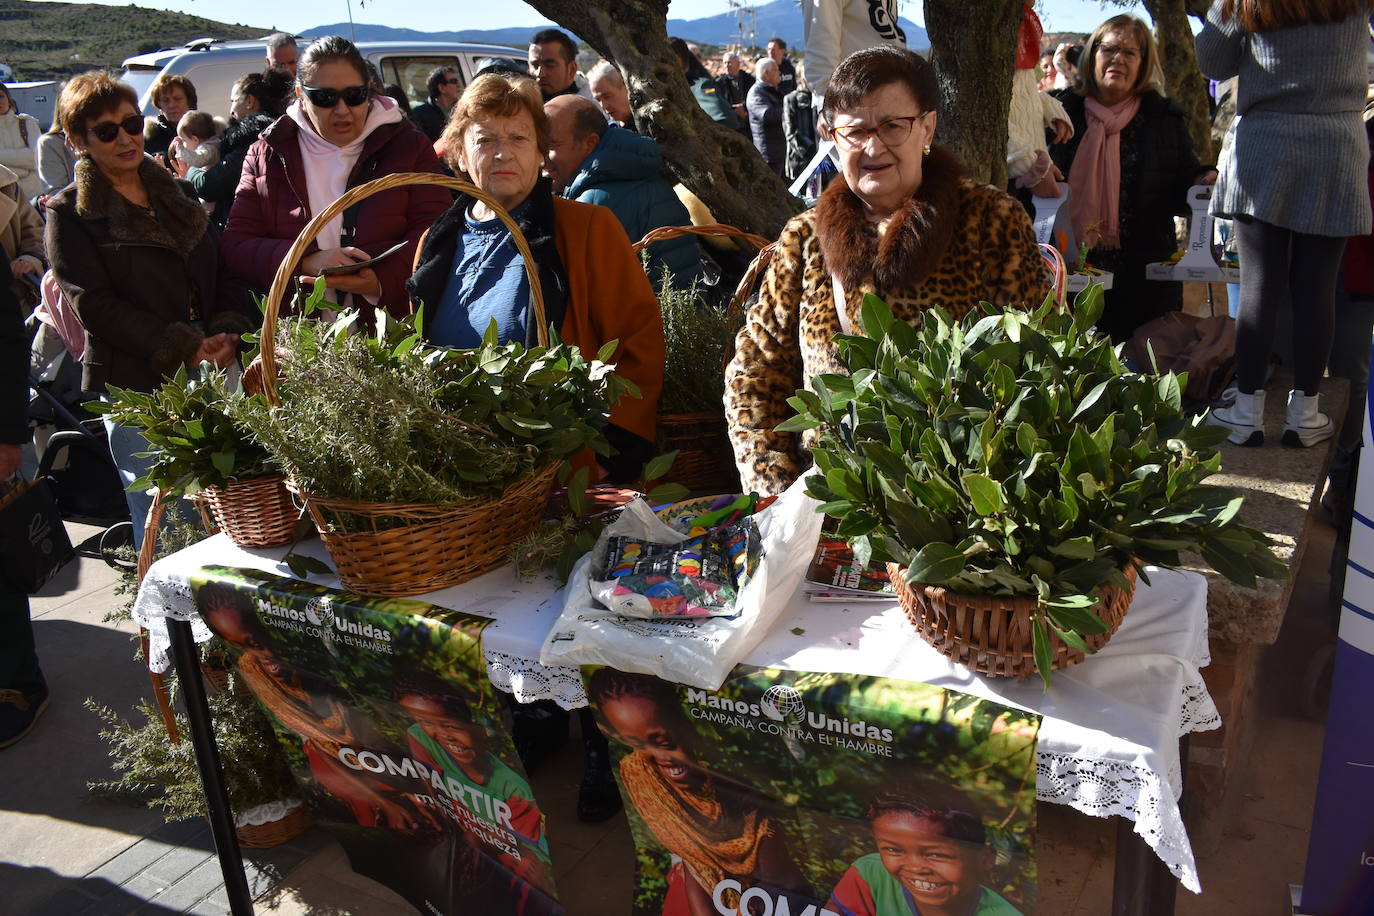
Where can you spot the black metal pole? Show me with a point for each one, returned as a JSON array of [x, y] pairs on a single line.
[[1142, 885], [211, 773]]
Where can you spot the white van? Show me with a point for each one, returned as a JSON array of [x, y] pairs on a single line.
[[213, 66]]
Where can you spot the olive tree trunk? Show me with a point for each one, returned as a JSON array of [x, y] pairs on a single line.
[[1182, 79], [973, 49], [719, 165]]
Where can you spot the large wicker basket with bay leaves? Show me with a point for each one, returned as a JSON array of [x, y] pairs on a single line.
[[391, 549], [993, 634], [705, 461]]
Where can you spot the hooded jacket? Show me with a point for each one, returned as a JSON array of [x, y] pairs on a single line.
[[623, 174], [137, 281], [272, 205], [216, 185]]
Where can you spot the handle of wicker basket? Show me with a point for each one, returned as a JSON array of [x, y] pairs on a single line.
[[713, 230], [287, 270], [746, 285]]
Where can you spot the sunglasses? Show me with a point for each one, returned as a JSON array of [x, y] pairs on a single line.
[[108, 131], [353, 96]]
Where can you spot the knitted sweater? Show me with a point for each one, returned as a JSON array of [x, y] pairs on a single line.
[[1297, 153]]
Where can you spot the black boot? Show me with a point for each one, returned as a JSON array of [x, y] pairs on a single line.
[[598, 799]]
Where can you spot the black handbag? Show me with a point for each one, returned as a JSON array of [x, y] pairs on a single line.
[[34, 545]]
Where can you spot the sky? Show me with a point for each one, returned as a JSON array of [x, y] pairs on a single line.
[[1058, 15]]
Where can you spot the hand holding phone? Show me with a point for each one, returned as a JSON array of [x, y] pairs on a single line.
[[359, 265]]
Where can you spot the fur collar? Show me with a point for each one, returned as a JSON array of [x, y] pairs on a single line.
[[911, 249], [180, 221]]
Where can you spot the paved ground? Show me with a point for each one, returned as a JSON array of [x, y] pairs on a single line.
[[64, 853]]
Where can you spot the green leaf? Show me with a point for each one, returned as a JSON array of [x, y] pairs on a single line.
[[1044, 652], [1079, 548], [875, 316], [667, 494], [934, 563], [863, 550], [223, 462], [1078, 619], [1072, 639], [302, 566], [985, 492], [578, 500], [608, 350], [660, 465]]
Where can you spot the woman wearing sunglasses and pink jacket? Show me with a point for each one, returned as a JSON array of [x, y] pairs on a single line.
[[134, 253], [335, 136]]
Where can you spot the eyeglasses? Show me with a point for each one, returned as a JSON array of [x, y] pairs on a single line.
[[108, 131], [1126, 54], [353, 96], [892, 132]]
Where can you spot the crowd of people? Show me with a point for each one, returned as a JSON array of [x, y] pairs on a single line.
[[156, 231]]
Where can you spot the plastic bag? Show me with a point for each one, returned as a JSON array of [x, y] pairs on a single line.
[[699, 652]]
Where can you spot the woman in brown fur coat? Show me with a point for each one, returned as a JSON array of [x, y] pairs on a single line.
[[134, 253], [904, 224]]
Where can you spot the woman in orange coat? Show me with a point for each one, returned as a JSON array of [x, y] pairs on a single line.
[[468, 272]]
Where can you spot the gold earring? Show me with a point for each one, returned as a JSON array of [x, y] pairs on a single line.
[[927, 149]]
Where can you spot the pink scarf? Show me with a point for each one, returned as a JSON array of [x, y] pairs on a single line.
[[1095, 180]]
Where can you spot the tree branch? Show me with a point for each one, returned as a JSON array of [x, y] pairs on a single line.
[[717, 164]]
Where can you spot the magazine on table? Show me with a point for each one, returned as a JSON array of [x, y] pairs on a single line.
[[834, 575]]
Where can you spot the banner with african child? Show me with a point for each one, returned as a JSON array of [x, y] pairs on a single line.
[[789, 793], [395, 736]]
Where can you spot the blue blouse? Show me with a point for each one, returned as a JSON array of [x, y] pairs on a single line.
[[487, 281]]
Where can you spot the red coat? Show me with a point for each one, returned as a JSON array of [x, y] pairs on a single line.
[[272, 206]]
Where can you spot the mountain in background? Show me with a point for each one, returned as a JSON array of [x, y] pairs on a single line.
[[780, 18], [43, 41]]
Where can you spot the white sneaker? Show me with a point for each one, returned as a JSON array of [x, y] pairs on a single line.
[[1305, 425], [1244, 418]]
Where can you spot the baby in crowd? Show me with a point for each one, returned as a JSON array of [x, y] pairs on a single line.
[[931, 860], [197, 142]]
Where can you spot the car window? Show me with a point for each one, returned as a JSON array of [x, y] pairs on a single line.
[[411, 73]]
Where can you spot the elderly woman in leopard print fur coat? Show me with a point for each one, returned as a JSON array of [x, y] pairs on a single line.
[[905, 224]]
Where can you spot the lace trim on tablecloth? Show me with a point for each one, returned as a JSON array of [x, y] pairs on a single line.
[[527, 680], [1103, 788], [160, 600], [266, 814]]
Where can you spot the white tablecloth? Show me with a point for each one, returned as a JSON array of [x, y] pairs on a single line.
[[1108, 744]]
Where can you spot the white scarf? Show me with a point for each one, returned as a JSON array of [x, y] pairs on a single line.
[[327, 166]]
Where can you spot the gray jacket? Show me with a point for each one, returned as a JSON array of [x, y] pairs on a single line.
[[1296, 155]]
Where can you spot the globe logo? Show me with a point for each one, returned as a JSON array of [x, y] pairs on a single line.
[[783, 703], [319, 612]]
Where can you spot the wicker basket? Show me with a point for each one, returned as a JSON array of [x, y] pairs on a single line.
[[992, 634], [705, 461], [395, 549], [253, 513], [274, 833]]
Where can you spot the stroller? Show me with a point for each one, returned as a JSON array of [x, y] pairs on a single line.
[[71, 444]]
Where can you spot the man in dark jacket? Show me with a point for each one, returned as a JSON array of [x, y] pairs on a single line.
[[553, 64], [444, 88], [736, 82], [23, 692], [787, 74], [592, 162], [765, 115]]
